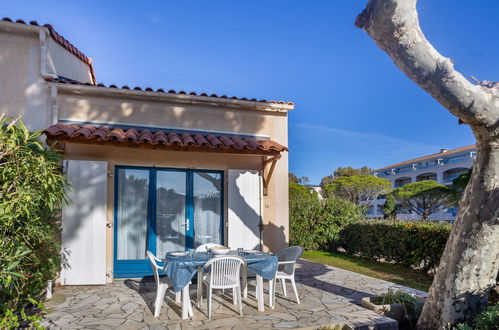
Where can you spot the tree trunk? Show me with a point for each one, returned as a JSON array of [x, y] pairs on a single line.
[[469, 264]]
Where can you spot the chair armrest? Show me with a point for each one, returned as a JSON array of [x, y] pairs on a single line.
[[286, 262]]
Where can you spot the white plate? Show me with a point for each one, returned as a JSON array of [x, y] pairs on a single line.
[[179, 254]]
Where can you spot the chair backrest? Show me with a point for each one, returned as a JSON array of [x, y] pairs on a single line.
[[206, 246], [154, 264], [290, 255], [224, 271]]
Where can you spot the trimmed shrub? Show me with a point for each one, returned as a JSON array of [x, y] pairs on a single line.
[[315, 225], [413, 244], [32, 189]]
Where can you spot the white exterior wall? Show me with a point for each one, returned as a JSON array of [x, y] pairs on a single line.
[[439, 170], [28, 55]]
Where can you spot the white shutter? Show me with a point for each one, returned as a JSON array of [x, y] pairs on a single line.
[[245, 191], [84, 223]]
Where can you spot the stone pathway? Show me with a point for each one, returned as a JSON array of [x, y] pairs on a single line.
[[329, 297]]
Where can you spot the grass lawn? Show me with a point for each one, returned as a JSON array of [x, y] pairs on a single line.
[[384, 271]]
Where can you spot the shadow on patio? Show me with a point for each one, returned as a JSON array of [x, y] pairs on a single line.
[[329, 296]]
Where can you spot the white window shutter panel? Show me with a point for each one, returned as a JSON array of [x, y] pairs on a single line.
[[84, 223], [244, 198]]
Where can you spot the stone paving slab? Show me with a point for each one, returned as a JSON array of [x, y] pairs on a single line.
[[329, 296]]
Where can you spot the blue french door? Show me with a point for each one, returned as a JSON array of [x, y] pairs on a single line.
[[163, 210]]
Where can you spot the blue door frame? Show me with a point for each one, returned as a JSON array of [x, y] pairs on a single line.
[[138, 268]]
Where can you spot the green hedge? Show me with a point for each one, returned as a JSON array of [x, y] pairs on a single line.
[[315, 224], [413, 244]]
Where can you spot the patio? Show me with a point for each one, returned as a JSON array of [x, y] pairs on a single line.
[[329, 297]]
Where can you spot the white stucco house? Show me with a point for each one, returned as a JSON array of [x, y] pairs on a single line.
[[151, 169]]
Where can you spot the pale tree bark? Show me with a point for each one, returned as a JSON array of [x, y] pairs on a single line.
[[469, 265]]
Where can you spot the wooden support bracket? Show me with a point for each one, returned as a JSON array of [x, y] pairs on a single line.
[[267, 176]]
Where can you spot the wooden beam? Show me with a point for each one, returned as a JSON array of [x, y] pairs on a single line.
[[266, 179]]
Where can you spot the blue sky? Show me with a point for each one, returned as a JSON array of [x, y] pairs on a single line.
[[353, 106]]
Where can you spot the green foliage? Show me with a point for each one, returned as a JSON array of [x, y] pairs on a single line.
[[32, 191], [297, 191], [327, 180], [357, 188], [293, 178], [304, 180], [424, 197], [460, 183], [390, 207], [412, 244], [350, 171], [315, 224], [487, 320], [411, 305], [344, 171]]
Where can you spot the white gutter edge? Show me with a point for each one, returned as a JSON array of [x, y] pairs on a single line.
[[44, 32], [184, 98]]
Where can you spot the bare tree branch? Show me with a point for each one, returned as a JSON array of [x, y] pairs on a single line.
[[394, 26]]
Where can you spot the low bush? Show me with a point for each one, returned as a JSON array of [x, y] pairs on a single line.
[[315, 224], [32, 189], [411, 305], [413, 244], [487, 320]]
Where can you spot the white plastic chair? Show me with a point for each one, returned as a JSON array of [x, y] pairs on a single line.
[[162, 284], [224, 273], [286, 268], [202, 248]]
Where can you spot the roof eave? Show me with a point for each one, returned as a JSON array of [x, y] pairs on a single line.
[[183, 98], [33, 27], [61, 141], [422, 158]]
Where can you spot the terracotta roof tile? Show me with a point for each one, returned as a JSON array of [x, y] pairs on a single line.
[[171, 91], [61, 41], [167, 139]]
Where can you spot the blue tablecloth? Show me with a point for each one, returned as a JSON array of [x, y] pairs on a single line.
[[181, 269]]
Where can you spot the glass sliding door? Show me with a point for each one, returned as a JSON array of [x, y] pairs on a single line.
[[132, 202], [132, 214], [171, 197], [207, 207], [163, 210]]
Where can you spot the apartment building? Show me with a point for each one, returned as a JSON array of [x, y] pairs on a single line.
[[443, 167]]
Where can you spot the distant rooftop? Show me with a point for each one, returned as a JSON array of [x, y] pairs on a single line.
[[443, 152]]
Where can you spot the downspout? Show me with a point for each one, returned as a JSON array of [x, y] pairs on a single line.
[[43, 55], [55, 106]]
